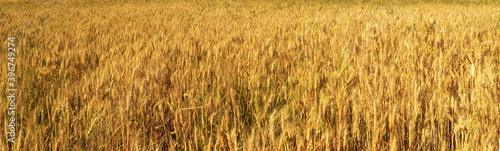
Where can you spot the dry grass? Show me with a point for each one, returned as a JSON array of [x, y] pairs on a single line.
[[254, 75]]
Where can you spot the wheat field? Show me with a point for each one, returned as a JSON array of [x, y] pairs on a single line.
[[253, 75]]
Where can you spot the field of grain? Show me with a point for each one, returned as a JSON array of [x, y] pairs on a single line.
[[246, 75]]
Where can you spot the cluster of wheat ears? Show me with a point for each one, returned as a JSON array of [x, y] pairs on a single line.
[[246, 75]]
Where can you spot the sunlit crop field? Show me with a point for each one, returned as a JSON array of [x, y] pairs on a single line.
[[245, 75]]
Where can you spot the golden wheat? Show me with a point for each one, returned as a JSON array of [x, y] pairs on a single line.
[[234, 75]]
